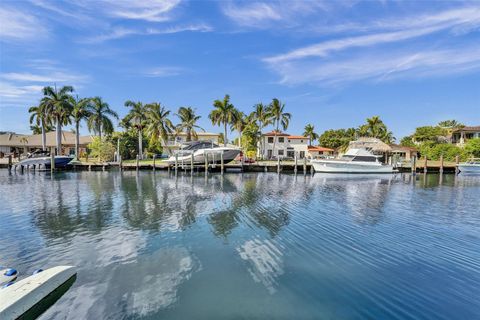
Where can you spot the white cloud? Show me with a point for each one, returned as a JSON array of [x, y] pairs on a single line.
[[266, 14], [381, 66], [159, 72], [57, 76], [383, 55], [419, 26], [19, 26], [153, 10], [120, 32]]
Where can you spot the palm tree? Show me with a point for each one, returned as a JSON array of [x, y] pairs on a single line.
[[310, 133], [58, 105], [373, 128], [82, 110], [136, 118], [278, 116], [99, 121], [188, 122], [40, 117], [158, 124], [224, 113], [239, 124], [262, 116]]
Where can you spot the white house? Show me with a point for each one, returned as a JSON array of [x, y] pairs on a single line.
[[175, 141], [460, 136], [283, 145]]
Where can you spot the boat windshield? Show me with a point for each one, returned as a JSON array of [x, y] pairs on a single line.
[[39, 153], [359, 155], [196, 145]]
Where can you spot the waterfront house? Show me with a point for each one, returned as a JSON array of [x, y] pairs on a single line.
[[461, 135], [175, 141], [375, 145], [17, 144], [319, 152], [283, 145], [403, 153]]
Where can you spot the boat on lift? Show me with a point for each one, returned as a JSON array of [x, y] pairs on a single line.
[[200, 149], [43, 158], [353, 161]]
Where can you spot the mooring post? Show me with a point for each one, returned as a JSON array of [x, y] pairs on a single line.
[[205, 156], [311, 169], [10, 162], [191, 163], [154, 158], [413, 163], [52, 161], [295, 168], [120, 162], [425, 164], [457, 160], [176, 162], [137, 160], [304, 165], [221, 163], [278, 165], [441, 164]]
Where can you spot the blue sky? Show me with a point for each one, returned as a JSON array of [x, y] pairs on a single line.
[[333, 63]]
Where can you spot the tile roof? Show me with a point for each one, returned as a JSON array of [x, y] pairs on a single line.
[[278, 134], [297, 137], [35, 140], [318, 148]]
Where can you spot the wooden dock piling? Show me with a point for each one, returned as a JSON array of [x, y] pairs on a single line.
[[191, 163], [221, 162], [413, 163], [278, 165], [154, 158], [205, 156], [52, 161], [304, 165], [457, 160], [176, 163], [296, 163], [137, 162], [10, 162], [441, 164]]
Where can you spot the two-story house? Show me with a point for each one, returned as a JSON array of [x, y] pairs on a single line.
[[175, 141], [282, 145]]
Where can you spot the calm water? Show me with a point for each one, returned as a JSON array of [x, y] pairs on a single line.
[[250, 246]]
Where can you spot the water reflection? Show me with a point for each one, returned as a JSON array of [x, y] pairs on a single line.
[[150, 245]]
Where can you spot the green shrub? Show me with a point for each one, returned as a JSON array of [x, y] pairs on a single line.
[[101, 149], [472, 148]]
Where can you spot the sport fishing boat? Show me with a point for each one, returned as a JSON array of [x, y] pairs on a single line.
[[200, 149], [353, 161], [472, 166], [42, 157]]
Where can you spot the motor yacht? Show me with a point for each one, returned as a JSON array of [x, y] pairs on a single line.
[[353, 161], [200, 149], [42, 157]]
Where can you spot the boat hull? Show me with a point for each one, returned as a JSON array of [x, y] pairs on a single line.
[[60, 161], [213, 157], [469, 168], [25, 297], [349, 167]]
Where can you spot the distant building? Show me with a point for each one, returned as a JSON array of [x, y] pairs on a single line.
[[319, 152], [15, 144], [175, 141], [403, 153], [460, 136], [285, 146]]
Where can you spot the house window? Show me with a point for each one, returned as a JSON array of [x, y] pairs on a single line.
[[270, 139], [289, 141], [281, 139], [290, 154], [280, 152], [302, 154], [269, 153], [301, 141]]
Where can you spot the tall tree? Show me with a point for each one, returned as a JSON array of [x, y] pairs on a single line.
[[99, 121], [224, 113], [58, 105], [310, 133], [188, 122], [82, 110], [158, 125], [279, 117], [136, 118], [263, 118], [40, 117], [239, 124]]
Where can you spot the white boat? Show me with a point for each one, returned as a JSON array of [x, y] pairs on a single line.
[[29, 297], [201, 148], [43, 158], [472, 166], [353, 161]]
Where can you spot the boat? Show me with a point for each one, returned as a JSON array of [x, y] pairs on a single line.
[[201, 148], [472, 166], [353, 161], [43, 158], [30, 297]]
